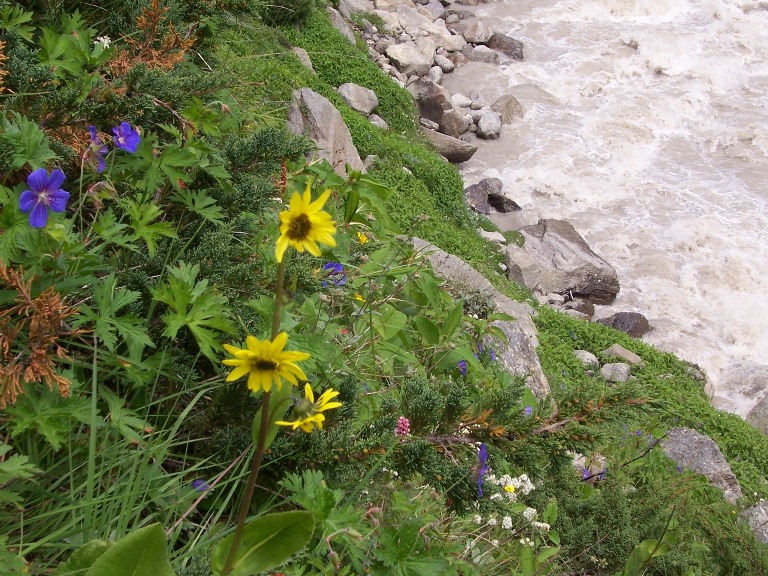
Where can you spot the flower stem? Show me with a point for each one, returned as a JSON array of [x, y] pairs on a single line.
[[250, 486]]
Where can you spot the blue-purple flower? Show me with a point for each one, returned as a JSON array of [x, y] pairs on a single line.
[[200, 485], [585, 474], [528, 410], [96, 151], [336, 275], [462, 366], [483, 459], [126, 137], [44, 194]]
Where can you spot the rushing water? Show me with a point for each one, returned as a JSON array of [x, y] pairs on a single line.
[[646, 126]]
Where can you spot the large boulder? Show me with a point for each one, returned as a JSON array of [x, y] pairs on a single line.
[[474, 31], [508, 108], [757, 518], [452, 149], [349, 7], [338, 22], [435, 104], [408, 58], [477, 194], [555, 258], [358, 98], [313, 116], [632, 323], [699, 453], [518, 355]]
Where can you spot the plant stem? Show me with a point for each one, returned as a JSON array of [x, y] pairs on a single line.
[[250, 486]]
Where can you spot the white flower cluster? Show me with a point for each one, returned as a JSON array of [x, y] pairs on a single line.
[[511, 486], [527, 542], [105, 41], [506, 522], [543, 526], [529, 514]]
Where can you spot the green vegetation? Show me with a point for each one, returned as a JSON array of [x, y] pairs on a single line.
[[141, 293]]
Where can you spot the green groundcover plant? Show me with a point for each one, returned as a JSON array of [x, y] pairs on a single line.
[[219, 357]]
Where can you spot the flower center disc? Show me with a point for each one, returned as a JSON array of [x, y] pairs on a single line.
[[265, 365], [299, 227]]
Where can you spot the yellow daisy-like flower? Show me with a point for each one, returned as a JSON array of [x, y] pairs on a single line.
[[305, 224], [308, 411], [362, 238], [359, 297], [265, 362]]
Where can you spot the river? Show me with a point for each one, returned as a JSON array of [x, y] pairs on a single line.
[[646, 126]]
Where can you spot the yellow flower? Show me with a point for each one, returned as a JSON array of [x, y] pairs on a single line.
[[359, 297], [308, 411], [509, 488], [265, 362], [362, 238], [305, 224]]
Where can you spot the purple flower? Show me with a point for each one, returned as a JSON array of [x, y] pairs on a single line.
[[462, 366], [126, 137], [336, 275], [200, 485], [45, 194], [492, 355], [483, 459], [94, 154], [639, 433], [528, 410], [585, 475]]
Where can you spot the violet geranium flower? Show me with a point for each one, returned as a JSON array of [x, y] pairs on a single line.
[[96, 151], [44, 194], [462, 366], [126, 137], [483, 459], [336, 275]]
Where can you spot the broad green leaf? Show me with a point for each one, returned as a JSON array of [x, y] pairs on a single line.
[[350, 205], [554, 536], [280, 401], [82, 559], [453, 320], [427, 329], [141, 553], [546, 554], [550, 512], [527, 561], [28, 142], [268, 541], [16, 18], [199, 203], [390, 321], [144, 228]]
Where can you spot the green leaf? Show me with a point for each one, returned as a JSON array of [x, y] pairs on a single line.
[[13, 468], [546, 554], [390, 321], [10, 563], [554, 536], [268, 541], [280, 402], [48, 414], [200, 203], [550, 513], [141, 553], [350, 205], [110, 300], [453, 320], [127, 422], [427, 329], [527, 561], [142, 216], [15, 18], [29, 143], [82, 559]]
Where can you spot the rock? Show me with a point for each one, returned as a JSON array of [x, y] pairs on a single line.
[[501, 203], [358, 98], [588, 359], [518, 356], [483, 54], [474, 31], [477, 194], [432, 8], [758, 415], [497, 237], [634, 324], [444, 62], [581, 306], [618, 351], [434, 105], [555, 299], [618, 372], [489, 126], [408, 58], [757, 518], [555, 258], [435, 74], [453, 149], [460, 101], [458, 59], [509, 46], [429, 124], [388, 5], [349, 7], [313, 116], [303, 57], [508, 108], [699, 453], [377, 120], [341, 25]]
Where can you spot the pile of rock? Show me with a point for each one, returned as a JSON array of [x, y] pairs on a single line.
[[420, 43]]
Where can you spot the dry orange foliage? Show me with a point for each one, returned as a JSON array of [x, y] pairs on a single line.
[[3, 71], [30, 332], [151, 47]]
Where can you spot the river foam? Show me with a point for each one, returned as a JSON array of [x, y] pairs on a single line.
[[646, 126]]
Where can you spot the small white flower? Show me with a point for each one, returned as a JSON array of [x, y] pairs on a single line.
[[529, 514], [543, 526], [495, 496], [506, 523], [522, 541], [478, 519], [495, 543], [492, 521], [105, 41]]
